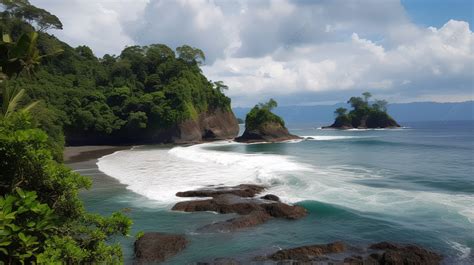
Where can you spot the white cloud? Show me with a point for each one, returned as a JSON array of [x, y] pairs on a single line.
[[300, 50], [97, 24]]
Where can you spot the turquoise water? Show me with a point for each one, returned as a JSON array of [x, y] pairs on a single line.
[[410, 185]]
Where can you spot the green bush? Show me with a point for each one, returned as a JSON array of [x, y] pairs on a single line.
[[52, 213], [262, 114]]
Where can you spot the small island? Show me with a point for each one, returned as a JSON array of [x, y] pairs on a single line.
[[363, 115], [262, 125]]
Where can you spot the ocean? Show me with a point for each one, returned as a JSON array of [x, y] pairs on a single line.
[[409, 185]]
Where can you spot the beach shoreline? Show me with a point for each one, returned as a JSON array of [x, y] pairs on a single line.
[[76, 154]]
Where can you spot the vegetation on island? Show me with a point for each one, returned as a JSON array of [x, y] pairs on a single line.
[[364, 114], [262, 114], [262, 125], [143, 89]]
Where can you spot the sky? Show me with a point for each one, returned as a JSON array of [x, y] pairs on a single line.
[[300, 52]]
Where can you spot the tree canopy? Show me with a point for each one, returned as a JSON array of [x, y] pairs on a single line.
[[23, 10], [42, 219], [262, 114], [143, 90]]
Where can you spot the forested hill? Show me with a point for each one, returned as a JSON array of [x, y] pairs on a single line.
[[142, 95]]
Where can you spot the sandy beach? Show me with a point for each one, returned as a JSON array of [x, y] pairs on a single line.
[[83, 159]]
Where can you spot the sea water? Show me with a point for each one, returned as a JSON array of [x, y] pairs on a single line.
[[409, 185]]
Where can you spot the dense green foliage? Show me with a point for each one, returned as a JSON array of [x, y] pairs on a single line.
[[143, 89], [48, 225], [262, 114], [42, 219], [364, 114]]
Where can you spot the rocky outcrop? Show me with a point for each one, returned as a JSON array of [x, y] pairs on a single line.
[[207, 126], [243, 190], [378, 120], [306, 253], [154, 247], [216, 125], [383, 253], [404, 254], [268, 132], [249, 220], [271, 197], [240, 200]]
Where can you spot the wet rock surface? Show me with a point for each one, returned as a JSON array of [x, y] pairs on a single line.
[[243, 190], [155, 247], [339, 253], [240, 200], [404, 254]]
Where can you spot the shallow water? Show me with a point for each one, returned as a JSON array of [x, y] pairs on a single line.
[[412, 185]]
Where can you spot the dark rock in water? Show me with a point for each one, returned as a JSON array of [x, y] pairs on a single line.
[[282, 210], [220, 261], [243, 190], [240, 200], [249, 220], [226, 203], [154, 247], [306, 253], [229, 203], [405, 254], [268, 132], [271, 197], [383, 253]]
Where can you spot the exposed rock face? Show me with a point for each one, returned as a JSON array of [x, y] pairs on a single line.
[[240, 200], [271, 197], [268, 132], [383, 253], [208, 126], [154, 247], [404, 254], [249, 220], [217, 125], [306, 253], [243, 190]]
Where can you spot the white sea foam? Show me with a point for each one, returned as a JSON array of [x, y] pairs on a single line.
[[464, 251], [159, 173]]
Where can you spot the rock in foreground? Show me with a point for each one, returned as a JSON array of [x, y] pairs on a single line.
[[306, 253], [243, 190], [404, 254], [154, 247], [240, 200], [383, 253]]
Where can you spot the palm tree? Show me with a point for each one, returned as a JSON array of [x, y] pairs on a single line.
[[366, 95], [12, 99], [16, 57]]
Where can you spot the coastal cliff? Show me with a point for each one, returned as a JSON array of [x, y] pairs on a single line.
[[207, 126]]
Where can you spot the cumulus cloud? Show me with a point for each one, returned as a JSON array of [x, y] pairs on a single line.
[[97, 24], [296, 50]]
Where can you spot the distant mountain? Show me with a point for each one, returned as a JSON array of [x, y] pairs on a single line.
[[403, 112]]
